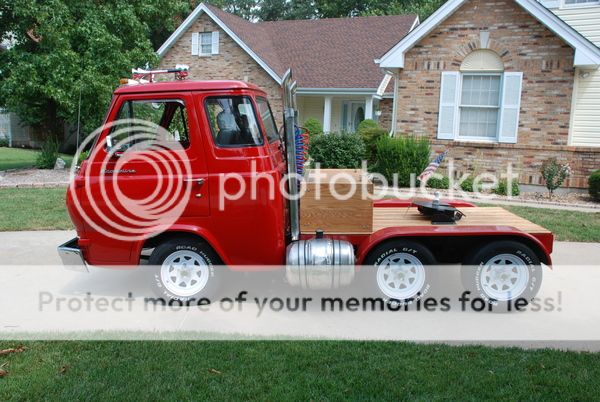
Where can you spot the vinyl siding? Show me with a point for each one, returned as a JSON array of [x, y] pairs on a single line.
[[585, 129], [312, 106], [585, 123], [586, 20]]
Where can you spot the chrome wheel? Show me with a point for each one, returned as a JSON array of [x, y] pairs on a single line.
[[184, 273], [401, 276], [504, 277]]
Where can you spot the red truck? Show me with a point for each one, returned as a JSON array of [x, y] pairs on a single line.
[[227, 127]]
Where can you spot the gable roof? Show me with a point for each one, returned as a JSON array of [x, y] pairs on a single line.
[[325, 53], [586, 53]]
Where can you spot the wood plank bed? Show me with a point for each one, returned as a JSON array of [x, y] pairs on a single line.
[[474, 216]]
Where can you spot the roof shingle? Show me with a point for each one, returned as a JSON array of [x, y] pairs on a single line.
[[323, 53]]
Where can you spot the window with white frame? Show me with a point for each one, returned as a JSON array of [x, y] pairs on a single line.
[[480, 102], [205, 43], [479, 106], [568, 3]]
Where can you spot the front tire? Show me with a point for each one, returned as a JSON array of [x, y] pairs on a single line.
[[501, 273], [398, 271], [184, 270]]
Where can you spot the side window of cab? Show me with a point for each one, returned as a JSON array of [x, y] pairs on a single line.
[[160, 121], [233, 121], [268, 121]]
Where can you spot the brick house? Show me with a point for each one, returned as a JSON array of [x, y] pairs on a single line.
[[496, 81], [332, 60]]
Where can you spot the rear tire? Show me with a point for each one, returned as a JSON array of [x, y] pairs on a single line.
[[501, 273], [398, 271], [184, 270]]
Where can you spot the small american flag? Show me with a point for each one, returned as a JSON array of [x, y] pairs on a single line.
[[431, 168]]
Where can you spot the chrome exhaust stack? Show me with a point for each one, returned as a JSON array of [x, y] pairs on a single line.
[[289, 89]]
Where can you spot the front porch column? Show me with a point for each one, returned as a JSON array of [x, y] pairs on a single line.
[[327, 114], [369, 108]]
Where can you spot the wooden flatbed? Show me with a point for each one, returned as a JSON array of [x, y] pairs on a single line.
[[320, 208], [474, 216], [385, 217]]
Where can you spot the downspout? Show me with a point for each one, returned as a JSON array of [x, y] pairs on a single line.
[[394, 121]]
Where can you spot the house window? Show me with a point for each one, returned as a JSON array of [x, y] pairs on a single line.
[[568, 3], [479, 106], [205, 43], [480, 102]]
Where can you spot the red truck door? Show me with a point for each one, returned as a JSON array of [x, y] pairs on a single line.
[[157, 173]]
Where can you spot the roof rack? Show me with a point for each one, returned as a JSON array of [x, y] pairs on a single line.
[[143, 76]]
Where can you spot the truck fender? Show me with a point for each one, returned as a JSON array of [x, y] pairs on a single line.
[[203, 233]]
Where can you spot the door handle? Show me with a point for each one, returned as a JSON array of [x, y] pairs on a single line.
[[199, 181]]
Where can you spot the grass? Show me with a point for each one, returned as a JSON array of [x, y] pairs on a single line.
[[33, 209], [314, 370], [566, 225], [16, 158]]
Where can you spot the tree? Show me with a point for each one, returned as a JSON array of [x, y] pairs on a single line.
[[353, 8], [242, 8], [275, 10], [62, 47], [343, 8], [423, 8]]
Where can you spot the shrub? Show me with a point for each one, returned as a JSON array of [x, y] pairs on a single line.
[[365, 125], [48, 154], [370, 137], [401, 156], [82, 156], [594, 185], [337, 151], [313, 126], [554, 174], [502, 188], [468, 184], [4, 142], [437, 183]]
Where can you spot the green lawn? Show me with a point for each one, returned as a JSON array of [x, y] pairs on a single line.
[[16, 158], [33, 209], [566, 225], [293, 371]]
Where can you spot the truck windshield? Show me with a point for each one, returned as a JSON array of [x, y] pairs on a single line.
[[233, 121]]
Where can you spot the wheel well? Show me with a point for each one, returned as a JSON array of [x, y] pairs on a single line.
[[454, 249], [154, 241]]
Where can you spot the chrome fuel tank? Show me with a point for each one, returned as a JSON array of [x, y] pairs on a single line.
[[320, 263]]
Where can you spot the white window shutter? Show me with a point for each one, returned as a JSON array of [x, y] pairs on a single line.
[[511, 103], [449, 95], [215, 42], [195, 43]]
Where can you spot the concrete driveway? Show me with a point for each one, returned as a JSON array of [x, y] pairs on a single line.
[[39, 299]]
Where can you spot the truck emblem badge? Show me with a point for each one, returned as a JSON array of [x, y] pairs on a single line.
[[132, 171]]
